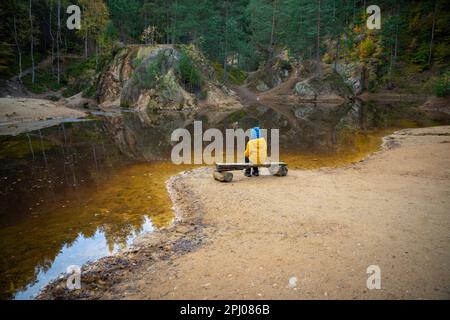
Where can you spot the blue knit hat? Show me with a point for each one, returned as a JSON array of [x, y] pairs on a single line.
[[254, 133]]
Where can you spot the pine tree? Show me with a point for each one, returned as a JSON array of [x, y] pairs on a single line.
[[125, 14]]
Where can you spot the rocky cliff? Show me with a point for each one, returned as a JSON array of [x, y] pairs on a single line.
[[162, 77], [284, 80], [327, 85]]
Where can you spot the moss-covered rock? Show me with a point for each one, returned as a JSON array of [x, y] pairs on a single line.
[[304, 89], [326, 84], [271, 74], [170, 77]]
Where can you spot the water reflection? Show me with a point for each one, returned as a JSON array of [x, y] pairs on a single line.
[[322, 128], [65, 184], [82, 250]]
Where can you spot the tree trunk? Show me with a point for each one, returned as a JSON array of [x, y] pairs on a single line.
[[338, 45], [85, 38], [354, 11], [363, 77], [167, 21], [30, 145], [225, 59], [19, 52], [334, 10], [390, 66], [338, 40], [58, 38], [86, 44], [52, 37], [396, 41], [96, 55], [272, 32], [432, 33], [396, 31], [174, 33], [318, 39], [145, 27], [33, 68]]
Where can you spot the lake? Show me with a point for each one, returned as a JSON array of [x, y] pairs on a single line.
[[76, 192]]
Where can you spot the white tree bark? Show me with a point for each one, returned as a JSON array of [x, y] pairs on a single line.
[[33, 67], [58, 39], [318, 38], [51, 36]]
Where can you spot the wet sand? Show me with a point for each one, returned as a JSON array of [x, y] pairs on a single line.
[[248, 238], [25, 114]]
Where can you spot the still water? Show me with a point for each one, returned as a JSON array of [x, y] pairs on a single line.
[[76, 192]]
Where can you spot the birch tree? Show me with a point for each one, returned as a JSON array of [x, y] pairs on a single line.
[[318, 38], [33, 71], [58, 41]]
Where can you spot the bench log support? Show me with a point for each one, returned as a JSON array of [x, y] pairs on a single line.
[[223, 174]]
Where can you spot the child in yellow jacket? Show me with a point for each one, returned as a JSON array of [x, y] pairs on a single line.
[[255, 152]]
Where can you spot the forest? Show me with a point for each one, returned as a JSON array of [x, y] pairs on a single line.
[[92, 177], [238, 36]]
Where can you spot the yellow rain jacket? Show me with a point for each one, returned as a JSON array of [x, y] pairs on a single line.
[[256, 150]]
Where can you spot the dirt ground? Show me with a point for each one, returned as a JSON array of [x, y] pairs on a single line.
[[323, 227]]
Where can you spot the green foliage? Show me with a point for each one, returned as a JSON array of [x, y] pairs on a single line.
[[237, 116], [76, 70], [241, 34], [81, 76], [155, 74], [108, 37], [149, 77], [95, 19], [366, 48], [418, 31], [125, 15], [188, 73], [203, 94], [90, 91], [442, 88], [45, 81], [26, 62], [104, 59], [6, 57], [18, 146], [136, 63], [442, 53], [420, 57], [235, 75], [70, 91], [412, 79]]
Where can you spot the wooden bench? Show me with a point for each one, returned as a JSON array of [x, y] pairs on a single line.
[[223, 174]]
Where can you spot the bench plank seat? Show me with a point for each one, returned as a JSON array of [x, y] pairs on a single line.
[[220, 167]]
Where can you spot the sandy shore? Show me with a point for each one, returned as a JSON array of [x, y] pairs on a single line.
[[248, 238], [24, 114]]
